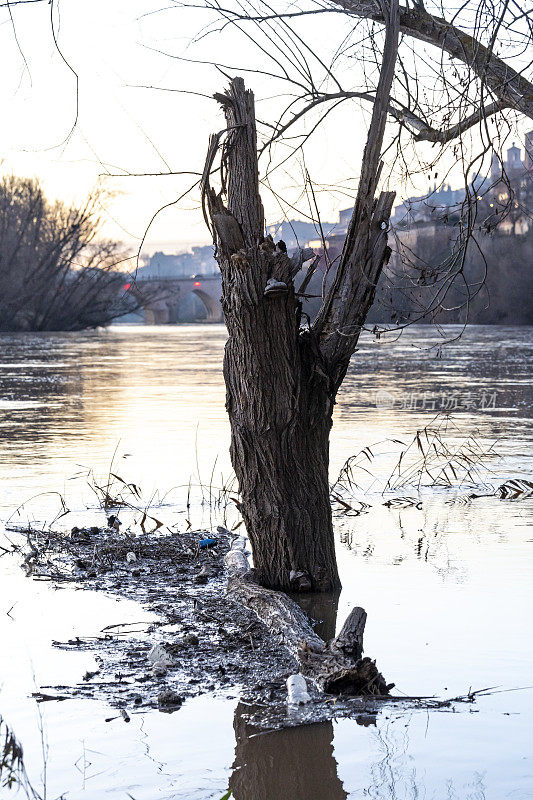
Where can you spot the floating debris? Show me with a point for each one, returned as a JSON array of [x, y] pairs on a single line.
[[159, 670], [207, 642], [205, 543], [158, 655], [169, 700]]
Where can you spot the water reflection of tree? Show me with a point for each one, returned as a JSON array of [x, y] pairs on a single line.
[[389, 777], [295, 763], [321, 608], [299, 764]]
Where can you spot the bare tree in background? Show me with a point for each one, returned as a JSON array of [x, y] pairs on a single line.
[[54, 273], [283, 373]]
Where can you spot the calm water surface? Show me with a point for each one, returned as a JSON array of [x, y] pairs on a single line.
[[448, 589]]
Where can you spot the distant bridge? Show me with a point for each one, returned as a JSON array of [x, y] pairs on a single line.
[[160, 297]]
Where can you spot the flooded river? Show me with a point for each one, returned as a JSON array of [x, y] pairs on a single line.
[[447, 587]]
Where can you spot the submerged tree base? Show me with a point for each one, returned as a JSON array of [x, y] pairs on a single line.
[[336, 666]]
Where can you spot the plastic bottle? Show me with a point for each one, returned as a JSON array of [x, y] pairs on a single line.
[[297, 694]]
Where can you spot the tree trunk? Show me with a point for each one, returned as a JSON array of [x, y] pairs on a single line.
[[278, 396], [298, 763], [280, 416]]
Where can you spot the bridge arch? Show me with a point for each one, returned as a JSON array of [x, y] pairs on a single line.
[[161, 297], [212, 306]]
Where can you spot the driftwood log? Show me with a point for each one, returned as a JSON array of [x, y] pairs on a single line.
[[336, 667]]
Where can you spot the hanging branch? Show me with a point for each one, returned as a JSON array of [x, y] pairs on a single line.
[[365, 250]]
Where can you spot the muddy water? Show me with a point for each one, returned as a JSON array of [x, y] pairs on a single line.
[[447, 588]]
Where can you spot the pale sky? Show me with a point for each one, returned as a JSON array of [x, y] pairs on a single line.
[[122, 128]]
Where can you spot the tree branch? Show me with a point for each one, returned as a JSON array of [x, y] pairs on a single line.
[[403, 115], [12, 3], [511, 88], [350, 296], [325, 98], [429, 134]]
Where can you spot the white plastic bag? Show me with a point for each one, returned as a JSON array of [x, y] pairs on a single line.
[[159, 654]]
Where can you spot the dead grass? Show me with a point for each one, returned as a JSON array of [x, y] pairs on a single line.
[[12, 770], [436, 456]]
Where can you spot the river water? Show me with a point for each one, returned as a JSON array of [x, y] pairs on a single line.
[[447, 587]]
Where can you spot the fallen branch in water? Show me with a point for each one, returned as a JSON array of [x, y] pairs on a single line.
[[42, 697], [337, 667]]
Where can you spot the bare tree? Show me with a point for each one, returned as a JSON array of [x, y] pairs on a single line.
[[283, 373], [445, 86], [54, 273]]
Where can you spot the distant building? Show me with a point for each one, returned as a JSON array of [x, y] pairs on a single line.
[[344, 220], [512, 191], [513, 158], [334, 242], [495, 167], [296, 233], [513, 224], [508, 192], [162, 265], [429, 207], [424, 216], [199, 261]]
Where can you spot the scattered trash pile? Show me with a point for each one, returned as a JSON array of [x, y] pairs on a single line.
[[202, 640]]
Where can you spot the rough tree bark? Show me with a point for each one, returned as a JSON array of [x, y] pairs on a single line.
[[281, 377]]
